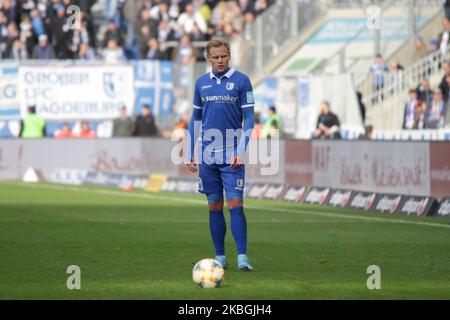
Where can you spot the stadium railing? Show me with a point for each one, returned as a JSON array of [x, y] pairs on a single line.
[[419, 13]]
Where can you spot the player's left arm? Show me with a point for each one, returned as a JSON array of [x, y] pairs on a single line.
[[248, 112]]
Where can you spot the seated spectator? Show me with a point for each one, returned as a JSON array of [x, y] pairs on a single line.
[[435, 113], [18, 51], [154, 52], [64, 132], [409, 115], [43, 51], [145, 124], [180, 129], [113, 53], [86, 131], [368, 133], [419, 122], [257, 128], [185, 53], [86, 52], [424, 92], [328, 124]]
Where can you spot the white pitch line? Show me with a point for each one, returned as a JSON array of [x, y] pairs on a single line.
[[195, 201]]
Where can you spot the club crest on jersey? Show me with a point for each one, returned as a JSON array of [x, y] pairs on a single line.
[[240, 183], [230, 86]]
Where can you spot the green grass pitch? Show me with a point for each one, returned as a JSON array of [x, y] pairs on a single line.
[[137, 245]]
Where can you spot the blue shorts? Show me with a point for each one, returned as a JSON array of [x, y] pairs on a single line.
[[215, 178]]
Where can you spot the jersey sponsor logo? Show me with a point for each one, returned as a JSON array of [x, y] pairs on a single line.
[[250, 97], [220, 99], [229, 86]]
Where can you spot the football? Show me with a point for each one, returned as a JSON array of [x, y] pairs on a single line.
[[208, 273]]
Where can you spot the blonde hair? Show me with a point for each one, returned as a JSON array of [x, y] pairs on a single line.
[[217, 42]]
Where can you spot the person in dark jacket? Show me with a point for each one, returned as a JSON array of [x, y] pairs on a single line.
[[145, 124], [328, 124]]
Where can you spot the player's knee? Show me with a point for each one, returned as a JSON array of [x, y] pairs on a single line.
[[215, 205], [235, 203]]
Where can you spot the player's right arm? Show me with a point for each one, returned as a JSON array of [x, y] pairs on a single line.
[[194, 129]]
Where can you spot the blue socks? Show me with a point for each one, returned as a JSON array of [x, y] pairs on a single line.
[[239, 229], [218, 228]]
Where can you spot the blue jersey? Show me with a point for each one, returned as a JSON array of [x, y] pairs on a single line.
[[221, 101]]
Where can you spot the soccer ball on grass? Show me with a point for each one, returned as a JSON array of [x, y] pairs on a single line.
[[208, 273]]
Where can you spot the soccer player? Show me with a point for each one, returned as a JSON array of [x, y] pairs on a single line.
[[222, 121]]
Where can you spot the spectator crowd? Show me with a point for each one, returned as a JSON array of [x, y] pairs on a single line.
[[126, 29], [426, 106]]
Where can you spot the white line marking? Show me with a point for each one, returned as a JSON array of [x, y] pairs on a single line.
[[195, 201]]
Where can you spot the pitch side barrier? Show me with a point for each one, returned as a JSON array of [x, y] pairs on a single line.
[[382, 167]]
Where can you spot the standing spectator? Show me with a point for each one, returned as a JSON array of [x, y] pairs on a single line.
[[424, 92], [378, 70], [146, 28], [113, 33], [27, 35], [446, 89], [272, 124], [443, 86], [160, 12], [145, 124], [421, 50], [362, 106], [187, 19], [32, 126], [86, 131], [37, 22], [11, 36], [79, 36], [411, 106], [444, 37], [124, 125], [43, 51], [64, 132], [447, 9], [60, 33], [433, 46], [328, 124], [3, 34], [435, 113]]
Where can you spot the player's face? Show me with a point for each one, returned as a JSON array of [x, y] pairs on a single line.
[[219, 58]]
